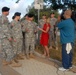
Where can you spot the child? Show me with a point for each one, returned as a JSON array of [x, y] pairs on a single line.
[[45, 37]]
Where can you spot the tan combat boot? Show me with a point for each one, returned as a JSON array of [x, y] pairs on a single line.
[[14, 64], [32, 55], [22, 54], [16, 60], [20, 57], [4, 62], [27, 56]]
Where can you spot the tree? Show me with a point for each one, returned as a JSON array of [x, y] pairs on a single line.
[[61, 4]]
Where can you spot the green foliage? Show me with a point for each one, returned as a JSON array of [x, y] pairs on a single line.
[[45, 11], [57, 4]]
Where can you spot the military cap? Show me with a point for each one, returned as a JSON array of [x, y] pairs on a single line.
[[30, 15], [17, 14], [5, 9]]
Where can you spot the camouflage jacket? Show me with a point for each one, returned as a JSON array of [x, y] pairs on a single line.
[[16, 31], [4, 27], [24, 23], [30, 28], [53, 23], [41, 23]]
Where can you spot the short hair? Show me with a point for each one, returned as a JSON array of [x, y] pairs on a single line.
[[68, 12]]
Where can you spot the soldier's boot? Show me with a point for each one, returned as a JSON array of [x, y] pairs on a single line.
[[22, 54], [27, 56], [32, 55], [20, 57], [16, 60], [4, 62], [14, 64]]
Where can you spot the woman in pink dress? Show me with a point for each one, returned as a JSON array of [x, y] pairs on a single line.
[[45, 37]]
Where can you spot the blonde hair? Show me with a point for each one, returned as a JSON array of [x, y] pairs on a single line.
[[48, 20]]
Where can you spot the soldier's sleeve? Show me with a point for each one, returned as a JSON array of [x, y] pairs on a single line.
[[12, 30], [24, 26], [5, 26], [36, 27], [39, 23], [6, 31]]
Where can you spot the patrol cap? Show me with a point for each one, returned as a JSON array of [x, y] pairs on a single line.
[[5, 9], [30, 15], [17, 14]]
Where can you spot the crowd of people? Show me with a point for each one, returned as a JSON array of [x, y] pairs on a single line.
[[18, 38]]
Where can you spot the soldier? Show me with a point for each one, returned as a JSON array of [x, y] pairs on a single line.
[[6, 39], [24, 22], [16, 33], [53, 35], [30, 30]]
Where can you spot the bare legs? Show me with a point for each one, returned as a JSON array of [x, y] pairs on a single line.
[[46, 51]]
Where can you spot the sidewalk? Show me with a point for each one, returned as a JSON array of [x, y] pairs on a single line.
[[41, 66], [37, 66]]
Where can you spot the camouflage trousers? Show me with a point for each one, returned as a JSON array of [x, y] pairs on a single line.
[[6, 49], [17, 46], [29, 45], [53, 39]]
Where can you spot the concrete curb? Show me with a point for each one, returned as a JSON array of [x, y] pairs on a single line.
[[50, 59]]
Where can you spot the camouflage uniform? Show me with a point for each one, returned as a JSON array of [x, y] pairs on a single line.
[[30, 36], [4, 38], [24, 22], [16, 33], [53, 35], [41, 23], [36, 33]]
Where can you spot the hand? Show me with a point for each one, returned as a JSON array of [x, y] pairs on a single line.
[[12, 25], [22, 25], [39, 28], [55, 32], [26, 30], [35, 32], [14, 40], [40, 36], [10, 39]]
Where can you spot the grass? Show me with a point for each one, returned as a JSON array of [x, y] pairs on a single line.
[[56, 54]]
